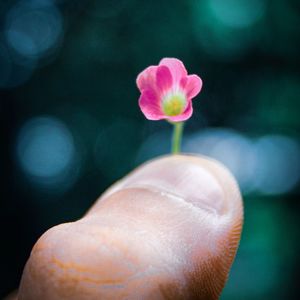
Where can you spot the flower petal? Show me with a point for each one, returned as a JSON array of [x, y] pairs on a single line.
[[147, 78], [185, 115], [176, 67], [192, 85], [163, 78], [150, 105], [183, 82]]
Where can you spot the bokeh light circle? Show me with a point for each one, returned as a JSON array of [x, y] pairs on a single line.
[[278, 168], [238, 13], [46, 151], [32, 28]]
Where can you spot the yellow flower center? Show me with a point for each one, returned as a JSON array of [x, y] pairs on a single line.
[[174, 104]]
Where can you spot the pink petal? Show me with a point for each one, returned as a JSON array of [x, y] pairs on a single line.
[[176, 67], [150, 106], [192, 85], [185, 115], [163, 78], [183, 82], [147, 78]]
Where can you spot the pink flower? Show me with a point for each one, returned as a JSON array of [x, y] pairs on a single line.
[[167, 91]]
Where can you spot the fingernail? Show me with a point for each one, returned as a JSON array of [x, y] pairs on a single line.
[[182, 176]]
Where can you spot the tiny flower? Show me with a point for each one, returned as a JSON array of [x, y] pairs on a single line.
[[167, 91]]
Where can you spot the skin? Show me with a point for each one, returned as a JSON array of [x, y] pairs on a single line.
[[168, 230]]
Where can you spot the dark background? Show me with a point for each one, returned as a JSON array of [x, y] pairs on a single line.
[[70, 123]]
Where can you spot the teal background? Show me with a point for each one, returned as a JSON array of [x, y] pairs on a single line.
[[71, 126]]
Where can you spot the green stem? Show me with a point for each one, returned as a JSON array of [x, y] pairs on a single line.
[[176, 138]]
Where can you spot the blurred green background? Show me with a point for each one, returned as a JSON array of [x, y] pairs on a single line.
[[71, 126]]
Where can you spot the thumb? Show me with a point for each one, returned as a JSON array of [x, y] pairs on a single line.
[[169, 230]]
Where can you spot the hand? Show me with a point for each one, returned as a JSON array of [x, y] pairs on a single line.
[[169, 230]]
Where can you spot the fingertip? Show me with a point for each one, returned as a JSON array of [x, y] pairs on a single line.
[[211, 189]]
